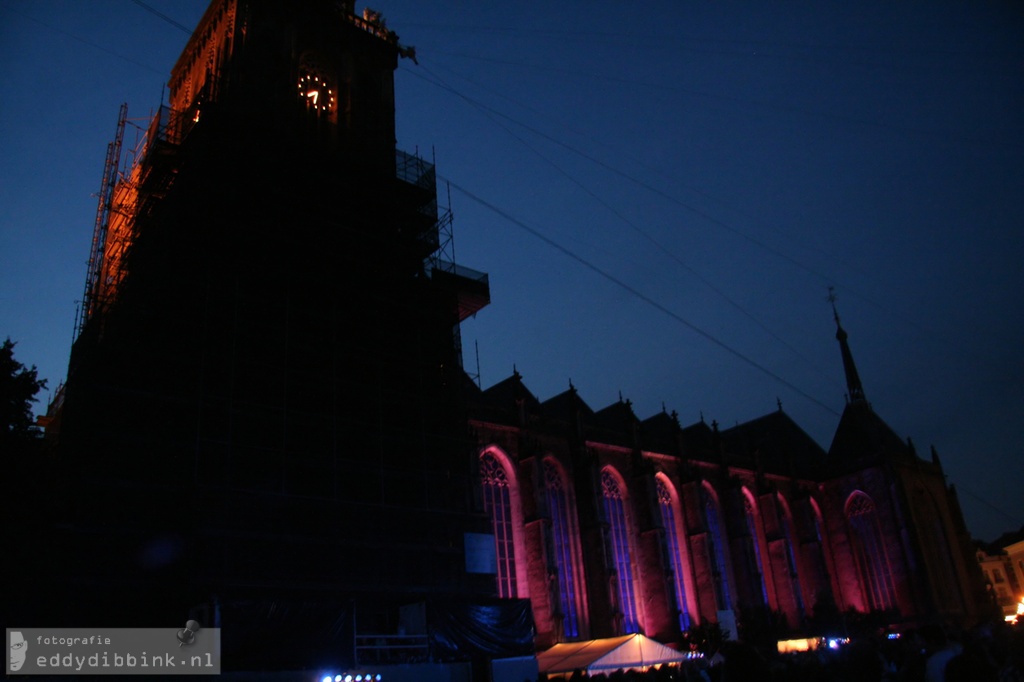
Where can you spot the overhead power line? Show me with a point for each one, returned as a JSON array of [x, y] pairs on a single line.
[[163, 16], [798, 263], [643, 233], [640, 295]]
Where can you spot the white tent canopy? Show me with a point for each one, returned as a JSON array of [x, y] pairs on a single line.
[[606, 655]]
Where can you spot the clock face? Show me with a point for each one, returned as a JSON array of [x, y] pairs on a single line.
[[316, 93]]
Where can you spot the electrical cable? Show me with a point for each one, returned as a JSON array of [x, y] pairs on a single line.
[[638, 294], [647, 236]]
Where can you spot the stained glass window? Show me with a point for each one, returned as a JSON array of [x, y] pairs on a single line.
[[562, 531], [672, 549], [754, 565], [786, 522], [716, 553], [615, 512], [869, 552], [824, 580], [497, 502]]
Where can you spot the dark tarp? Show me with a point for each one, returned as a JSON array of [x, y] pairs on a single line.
[[499, 628]]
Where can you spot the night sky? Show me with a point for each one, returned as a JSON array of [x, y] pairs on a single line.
[[662, 194]]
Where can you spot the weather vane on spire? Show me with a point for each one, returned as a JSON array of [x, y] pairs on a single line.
[[831, 298]]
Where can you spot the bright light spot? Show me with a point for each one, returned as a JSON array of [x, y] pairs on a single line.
[[337, 678], [787, 646], [327, 678], [836, 642]]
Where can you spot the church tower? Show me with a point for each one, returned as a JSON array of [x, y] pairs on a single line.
[[264, 396], [896, 526]]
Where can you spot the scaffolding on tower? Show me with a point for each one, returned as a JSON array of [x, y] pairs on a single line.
[[134, 179], [99, 233]]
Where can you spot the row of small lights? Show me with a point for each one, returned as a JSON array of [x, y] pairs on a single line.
[[351, 678]]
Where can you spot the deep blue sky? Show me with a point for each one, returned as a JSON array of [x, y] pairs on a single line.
[[727, 161]]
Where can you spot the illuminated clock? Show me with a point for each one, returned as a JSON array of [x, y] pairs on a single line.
[[316, 93]]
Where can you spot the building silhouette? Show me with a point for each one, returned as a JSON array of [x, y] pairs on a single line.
[[266, 423], [263, 412]]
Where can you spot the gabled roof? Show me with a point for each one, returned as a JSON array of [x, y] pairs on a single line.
[[606, 655], [498, 403], [862, 436], [564, 405], [616, 424], [699, 442], [618, 415], [661, 432], [777, 443], [507, 391]]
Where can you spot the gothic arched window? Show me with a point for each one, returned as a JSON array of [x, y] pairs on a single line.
[[716, 551], [498, 504], [615, 513], [822, 578], [563, 530], [755, 567], [869, 551], [786, 524], [672, 547]]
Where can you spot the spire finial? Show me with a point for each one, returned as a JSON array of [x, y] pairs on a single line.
[[856, 390], [778, 401]]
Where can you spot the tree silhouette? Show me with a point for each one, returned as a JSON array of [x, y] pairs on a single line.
[[18, 388]]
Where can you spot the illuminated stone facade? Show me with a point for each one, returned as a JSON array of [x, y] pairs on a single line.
[[1002, 563], [756, 527]]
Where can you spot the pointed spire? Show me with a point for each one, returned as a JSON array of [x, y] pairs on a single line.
[[853, 385]]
